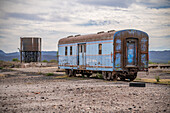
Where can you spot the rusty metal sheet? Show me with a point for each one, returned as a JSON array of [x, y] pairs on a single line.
[[140, 49], [30, 49], [88, 38], [30, 44]]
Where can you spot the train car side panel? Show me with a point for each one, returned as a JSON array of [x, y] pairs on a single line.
[[99, 55], [67, 56]]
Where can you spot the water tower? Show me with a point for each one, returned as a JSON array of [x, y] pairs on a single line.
[[30, 49]]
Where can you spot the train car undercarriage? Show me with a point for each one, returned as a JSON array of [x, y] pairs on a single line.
[[106, 75]]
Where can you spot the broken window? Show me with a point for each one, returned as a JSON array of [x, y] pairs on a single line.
[[79, 48], [70, 50], [65, 50], [100, 49], [84, 47]]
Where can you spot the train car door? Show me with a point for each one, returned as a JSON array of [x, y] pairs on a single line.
[[117, 52], [82, 55], [131, 52]]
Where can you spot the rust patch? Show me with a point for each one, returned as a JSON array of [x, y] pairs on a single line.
[[88, 38]]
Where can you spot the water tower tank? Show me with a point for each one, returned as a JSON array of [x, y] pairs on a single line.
[[30, 49]]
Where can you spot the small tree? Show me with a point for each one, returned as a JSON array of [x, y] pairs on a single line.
[[168, 62], [57, 55], [15, 60], [150, 62], [99, 75], [49, 74], [53, 61], [44, 61], [157, 78]]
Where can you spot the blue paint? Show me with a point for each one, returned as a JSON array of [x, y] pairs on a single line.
[[144, 60], [82, 54], [100, 69], [144, 44], [92, 58], [118, 60], [118, 45], [130, 53]]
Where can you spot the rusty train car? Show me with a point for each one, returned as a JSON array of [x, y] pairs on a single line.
[[114, 54]]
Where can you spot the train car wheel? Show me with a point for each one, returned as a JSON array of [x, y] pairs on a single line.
[[67, 72], [70, 73], [114, 77], [88, 75], [104, 74], [122, 78], [133, 77], [83, 75], [74, 73], [109, 77]]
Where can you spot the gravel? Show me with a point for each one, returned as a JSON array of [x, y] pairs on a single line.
[[21, 92]]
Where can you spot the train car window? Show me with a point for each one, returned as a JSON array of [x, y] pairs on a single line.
[[85, 48], [65, 50], [79, 48], [70, 50], [100, 49]]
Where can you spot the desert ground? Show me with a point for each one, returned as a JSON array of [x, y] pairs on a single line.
[[29, 89]]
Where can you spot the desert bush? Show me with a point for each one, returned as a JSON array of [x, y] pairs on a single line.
[[53, 61], [150, 62], [99, 75], [44, 61], [50, 74], [138, 79], [157, 78], [15, 60], [40, 73]]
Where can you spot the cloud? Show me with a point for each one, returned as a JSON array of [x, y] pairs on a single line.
[[155, 3], [54, 19], [2, 37], [113, 3], [98, 23], [34, 17], [127, 3]]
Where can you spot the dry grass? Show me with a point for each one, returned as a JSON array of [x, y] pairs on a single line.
[[50, 74], [167, 71], [2, 75], [71, 78], [61, 77], [161, 81]]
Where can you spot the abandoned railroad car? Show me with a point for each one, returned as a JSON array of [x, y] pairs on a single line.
[[114, 54]]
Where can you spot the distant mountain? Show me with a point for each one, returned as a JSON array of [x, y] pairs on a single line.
[[46, 55], [154, 56], [49, 55], [159, 56], [2, 53]]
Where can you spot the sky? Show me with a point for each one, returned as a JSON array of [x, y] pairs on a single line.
[[55, 19]]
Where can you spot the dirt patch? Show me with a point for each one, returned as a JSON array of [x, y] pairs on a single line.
[[26, 91], [162, 73]]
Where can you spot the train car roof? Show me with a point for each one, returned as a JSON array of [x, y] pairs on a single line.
[[88, 38]]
